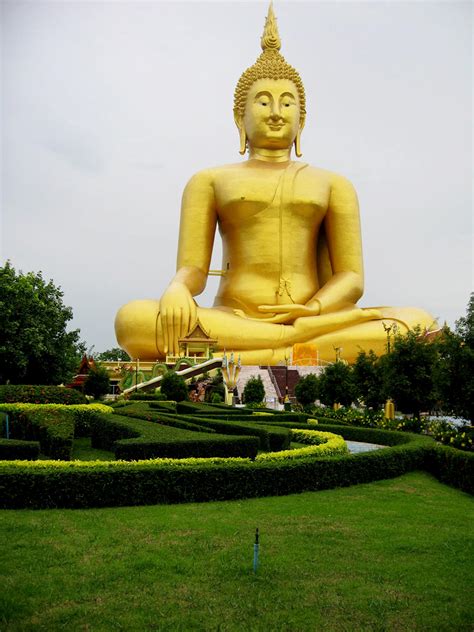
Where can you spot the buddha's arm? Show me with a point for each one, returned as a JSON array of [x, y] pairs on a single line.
[[196, 237], [342, 225]]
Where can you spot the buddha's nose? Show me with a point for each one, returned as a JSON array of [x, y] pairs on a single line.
[[276, 113]]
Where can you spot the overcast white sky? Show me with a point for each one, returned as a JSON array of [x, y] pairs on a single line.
[[108, 108]]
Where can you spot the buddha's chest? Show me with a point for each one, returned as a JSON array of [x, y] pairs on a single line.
[[259, 199]]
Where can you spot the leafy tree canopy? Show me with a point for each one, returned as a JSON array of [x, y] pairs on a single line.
[[465, 325], [35, 347], [336, 385], [409, 373], [112, 355], [307, 389], [254, 391], [368, 379], [174, 387], [97, 382]]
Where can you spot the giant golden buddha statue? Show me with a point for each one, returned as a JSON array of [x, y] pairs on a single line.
[[292, 253]]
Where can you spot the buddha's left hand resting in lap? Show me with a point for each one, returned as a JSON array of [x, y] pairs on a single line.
[[292, 252]]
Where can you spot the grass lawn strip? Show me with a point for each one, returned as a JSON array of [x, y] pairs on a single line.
[[391, 555]]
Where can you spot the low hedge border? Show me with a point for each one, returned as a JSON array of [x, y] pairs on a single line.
[[134, 439], [453, 467], [33, 394], [12, 449], [147, 413], [53, 425], [319, 444], [272, 438], [78, 484]]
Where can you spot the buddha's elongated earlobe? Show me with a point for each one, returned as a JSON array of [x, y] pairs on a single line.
[[298, 144], [243, 140]]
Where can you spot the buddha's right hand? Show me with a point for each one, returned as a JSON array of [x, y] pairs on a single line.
[[178, 315]]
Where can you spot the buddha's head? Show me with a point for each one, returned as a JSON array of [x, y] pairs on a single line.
[[269, 100]]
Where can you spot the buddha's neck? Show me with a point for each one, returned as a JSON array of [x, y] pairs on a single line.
[[270, 155]]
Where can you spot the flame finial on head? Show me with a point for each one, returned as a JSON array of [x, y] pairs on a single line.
[[270, 38]]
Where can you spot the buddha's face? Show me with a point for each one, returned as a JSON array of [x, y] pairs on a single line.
[[272, 114]]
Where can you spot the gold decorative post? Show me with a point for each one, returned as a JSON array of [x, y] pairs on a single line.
[[389, 412]]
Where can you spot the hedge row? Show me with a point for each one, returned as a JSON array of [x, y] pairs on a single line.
[[147, 413], [13, 449], [453, 467], [133, 439], [272, 439], [32, 394], [139, 483], [318, 443], [54, 429], [53, 425]]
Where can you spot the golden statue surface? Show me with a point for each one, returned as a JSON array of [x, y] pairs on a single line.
[[292, 269]]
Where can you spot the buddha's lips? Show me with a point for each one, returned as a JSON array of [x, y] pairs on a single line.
[[275, 126]]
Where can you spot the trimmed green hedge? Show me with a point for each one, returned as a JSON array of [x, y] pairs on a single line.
[[146, 413], [453, 467], [133, 439], [147, 397], [115, 483], [31, 394], [54, 429], [271, 438], [13, 449], [53, 425]]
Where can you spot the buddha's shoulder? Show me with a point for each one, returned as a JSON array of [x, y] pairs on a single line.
[[334, 180], [212, 174]]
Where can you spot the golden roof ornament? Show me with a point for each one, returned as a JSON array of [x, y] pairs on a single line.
[[270, 65]]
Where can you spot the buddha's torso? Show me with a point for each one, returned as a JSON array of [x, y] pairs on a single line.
[[269, 218]]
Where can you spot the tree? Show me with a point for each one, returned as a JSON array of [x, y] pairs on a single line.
[[97, 382], [454, 374], [35, 347], [254, 391], [368, 379], [174, 387], [307, 390], [408, 372], [336, 385], [216, 389], [465, 325], [113, 355]]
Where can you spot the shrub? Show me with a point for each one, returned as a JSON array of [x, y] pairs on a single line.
[[453, 467], [147, 397], [54, 429], [12, 449], [54, 425], [320, 444], [254, 391], [97, 382], [145, 413], [270, 438], [98, 484], [11, 393], [174, 387], [133, 439], [307, 390]]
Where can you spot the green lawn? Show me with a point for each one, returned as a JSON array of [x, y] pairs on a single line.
[[83, 451], [391, 555]]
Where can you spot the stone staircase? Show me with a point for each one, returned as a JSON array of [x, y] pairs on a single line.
[[247, 372]]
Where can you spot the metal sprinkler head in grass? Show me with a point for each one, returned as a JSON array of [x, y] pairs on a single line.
[[255, 551]]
